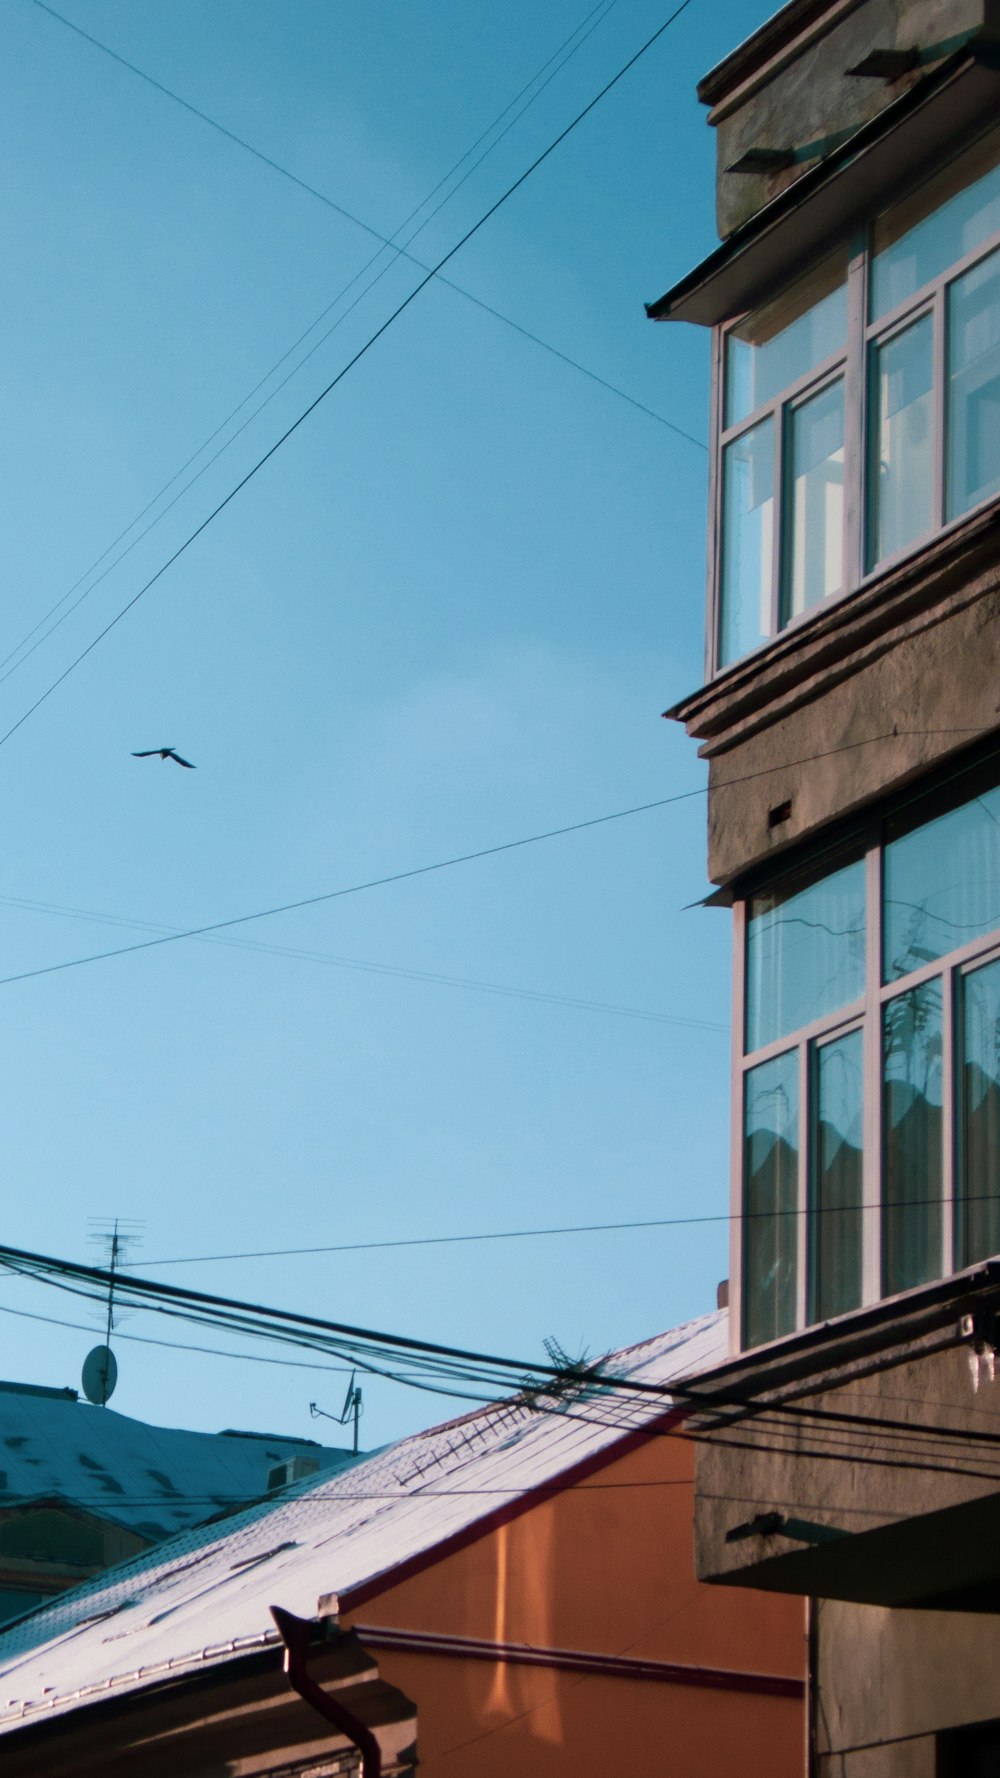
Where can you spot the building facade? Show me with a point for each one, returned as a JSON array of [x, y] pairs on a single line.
[[851, 719], [83, 1488], [510, 1593]]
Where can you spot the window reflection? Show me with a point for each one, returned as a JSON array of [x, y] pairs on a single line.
[[816, 501], [770, 1200], [902, 460], [912, 1138], [836, 1183], [974, 387], [747, 541], [941, 885], [936, 226], [978, 1227], [780, 342], [805, 954]]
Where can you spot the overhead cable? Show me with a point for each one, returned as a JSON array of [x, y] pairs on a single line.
[[384, 241], [349, 366], [176, 935]]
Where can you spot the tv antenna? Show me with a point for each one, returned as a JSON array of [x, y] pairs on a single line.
[[351, 1410], [100, 1368]]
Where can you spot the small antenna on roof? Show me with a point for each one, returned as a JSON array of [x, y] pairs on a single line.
[[100, 1369], [352, 1408]]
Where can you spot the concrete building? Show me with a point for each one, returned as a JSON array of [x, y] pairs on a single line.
[[82, 1487], [509, 1593], [851, 719]]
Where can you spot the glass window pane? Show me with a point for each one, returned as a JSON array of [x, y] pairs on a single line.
[[912, 1134], [978, 1226], [835, 1197], [941, 885], [815, 567], [974, 387], [901, 478], [770, 1199], [747, 542], [937, 225], [805, 954], [786, 338]]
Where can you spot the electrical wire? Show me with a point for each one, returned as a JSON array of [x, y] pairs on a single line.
[[435, 978], [431, 273], [448, 1365], [580, 1228], [385, 241], [180, 1346], [176, 935], [353, 360], [422, 870]]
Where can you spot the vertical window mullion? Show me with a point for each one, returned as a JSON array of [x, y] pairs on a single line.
[[778, 516], [871, 1271], [806, 1146], [736, 1129], [714, 553], [855, 417], [948, 1101], [940, 375]]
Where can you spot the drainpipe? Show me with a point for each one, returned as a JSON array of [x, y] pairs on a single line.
[[295, 1633]]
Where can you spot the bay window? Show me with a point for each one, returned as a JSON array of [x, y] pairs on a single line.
[[860, 407], [869, 1066]]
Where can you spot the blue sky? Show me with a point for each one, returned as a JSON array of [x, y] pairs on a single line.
[[448, 614]]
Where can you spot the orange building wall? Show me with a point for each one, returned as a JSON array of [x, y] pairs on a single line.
[[606, 1566]]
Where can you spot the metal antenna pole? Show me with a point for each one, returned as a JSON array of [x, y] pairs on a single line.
[[111, 1303]]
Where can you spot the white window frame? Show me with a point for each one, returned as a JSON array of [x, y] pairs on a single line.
[[864, 1014], [854, 365]]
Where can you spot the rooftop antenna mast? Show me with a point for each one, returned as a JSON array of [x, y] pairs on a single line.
[[351, 1410], [100, 1368]]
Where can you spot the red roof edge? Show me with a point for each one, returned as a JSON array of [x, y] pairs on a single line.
[[353, 1597]]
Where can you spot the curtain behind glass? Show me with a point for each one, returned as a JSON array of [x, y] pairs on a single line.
[[941, 885], [979, 1185], [836, 1178], [805, 954], [912, 1138], [770, 1199]]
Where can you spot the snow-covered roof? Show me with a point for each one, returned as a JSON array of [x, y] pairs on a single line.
[[153, 1479], [203, 1597]]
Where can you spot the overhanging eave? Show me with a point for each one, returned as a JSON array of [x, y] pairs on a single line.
[[859, 176]]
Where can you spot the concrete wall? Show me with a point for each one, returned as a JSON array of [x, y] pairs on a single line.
[[876, 690], [790, 89], [605, 1566], [888, 1682], [823, 1475]]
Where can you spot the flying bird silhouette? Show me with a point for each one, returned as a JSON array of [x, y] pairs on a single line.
[[165, 753]]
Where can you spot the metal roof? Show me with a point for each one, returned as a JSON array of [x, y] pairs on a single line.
[[153, 1479], [202, 1598]]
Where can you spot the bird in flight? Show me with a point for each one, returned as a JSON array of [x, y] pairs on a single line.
[[165, 753]]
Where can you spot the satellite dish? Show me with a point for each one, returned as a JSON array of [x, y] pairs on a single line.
[[100, 1374]]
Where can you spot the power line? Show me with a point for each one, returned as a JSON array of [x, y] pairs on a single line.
[[180, 1346], [176, 935], [421, 870], [435, 978], [555, 1390], [385, 241], [581, 1228], [562, 1385], [352, 361], [390, 240]]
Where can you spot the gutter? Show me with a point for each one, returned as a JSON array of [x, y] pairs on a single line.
[[567, 1660], [295, 1633]]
